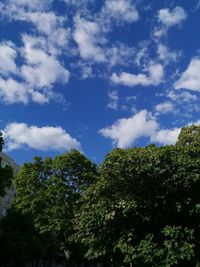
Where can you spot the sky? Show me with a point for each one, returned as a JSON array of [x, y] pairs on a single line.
[[93, 75]]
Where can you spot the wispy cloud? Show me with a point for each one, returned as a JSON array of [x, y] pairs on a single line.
[[113, 100]]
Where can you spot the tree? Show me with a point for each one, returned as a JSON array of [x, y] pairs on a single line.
[[6, 173], [189, 136], [20, 242], [49, 191], [145, 207], [1, 142]]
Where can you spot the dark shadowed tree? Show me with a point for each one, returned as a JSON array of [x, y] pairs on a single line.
[[21, 243]]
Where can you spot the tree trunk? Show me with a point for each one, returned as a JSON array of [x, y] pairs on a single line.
[[67, 254]]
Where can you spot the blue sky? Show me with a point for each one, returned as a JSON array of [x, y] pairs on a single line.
[[93, 75]]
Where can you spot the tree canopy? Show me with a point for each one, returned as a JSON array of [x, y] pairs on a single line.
[[140, 206], [49, 190], [6, 172], [21, 243], [145, 207]]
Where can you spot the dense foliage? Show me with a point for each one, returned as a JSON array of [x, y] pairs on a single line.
[[140, 206], [145, 208], [21, 243], [6, 173], [49, 191]]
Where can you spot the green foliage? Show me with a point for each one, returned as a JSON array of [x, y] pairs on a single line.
[[145, 207], [21, 243], [189, 136], [49, 190], [142, 206], [6, 173]]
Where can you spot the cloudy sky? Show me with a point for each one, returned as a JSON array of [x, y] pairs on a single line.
[[97, 74]]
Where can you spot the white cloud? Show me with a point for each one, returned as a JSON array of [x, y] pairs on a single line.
[[86, 72], [13, 6], [8, 55], [34, 79], [154, 77], [164, 107], [119, 54], [87, 35], [125, 131], [190, 78], [165, 55], [182, 97], [21, 135], [113, 100], [142, 55], [77, 3], [197, 5], [12, 91], [172, 17], [168, 18], [120, 11], [166, 137], [47, 23], [158, 32], [51, 25], [41, 70]]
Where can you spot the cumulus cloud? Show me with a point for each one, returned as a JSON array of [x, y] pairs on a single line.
[[164, 107], [172, 17], [153, 77], [125, 131], [167, 19], [119, 54], [165, 55], [190, 78], [41, 70], [45, 22], [21, 135], [50, 25], [34, 79], [87, 35], [13, 6], [77, 3], [8, 56], [12, 91], [120, 11], [166, 137]]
